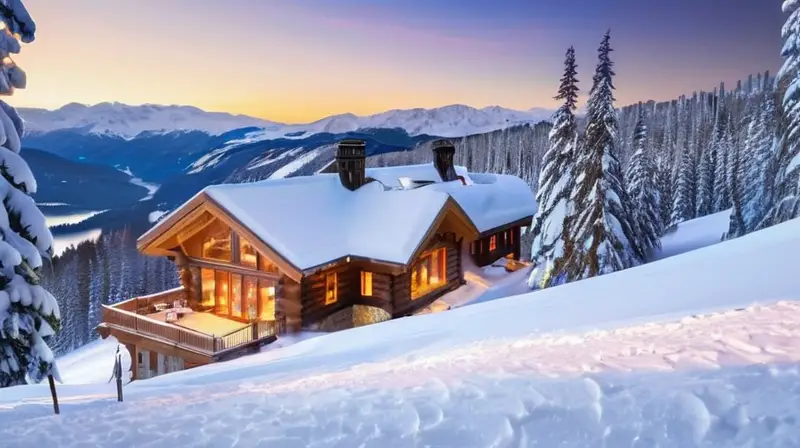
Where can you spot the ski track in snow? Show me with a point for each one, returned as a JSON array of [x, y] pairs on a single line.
[[463, 398]]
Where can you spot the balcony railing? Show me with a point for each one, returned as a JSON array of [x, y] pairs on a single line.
[[190, 339], [144, 304]]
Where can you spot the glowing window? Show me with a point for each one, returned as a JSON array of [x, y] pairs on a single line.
[[429, 273], [266, 299], [366, 283], [247, 254], [492, 243], [331, 287]]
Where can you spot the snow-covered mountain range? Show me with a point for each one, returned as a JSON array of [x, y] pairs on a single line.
[[129, 121]]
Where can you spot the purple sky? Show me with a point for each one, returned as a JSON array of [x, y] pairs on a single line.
[[300, 60]]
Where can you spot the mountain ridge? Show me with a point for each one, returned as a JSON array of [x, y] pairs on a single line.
[[125, 121]]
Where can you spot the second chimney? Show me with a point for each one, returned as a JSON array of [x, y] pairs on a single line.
[[443, 153], [351, 163]]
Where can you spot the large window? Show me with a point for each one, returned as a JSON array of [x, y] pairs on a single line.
[[248, 256], [266, 299], [492, 243], [238, 296], [331, 288], [265, 265], [222, 287], [208, 289], [217, 242], [429, 273], [366, 283], [250, 293]]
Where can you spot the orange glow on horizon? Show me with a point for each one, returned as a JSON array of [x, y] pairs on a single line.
[[291, 63]]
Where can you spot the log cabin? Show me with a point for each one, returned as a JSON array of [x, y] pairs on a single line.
[[327, 252]]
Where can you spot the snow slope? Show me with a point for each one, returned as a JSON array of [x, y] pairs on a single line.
[[694, 234], [668, 354], [92, 363], [129, 121]]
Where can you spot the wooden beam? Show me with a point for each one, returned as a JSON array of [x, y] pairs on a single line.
[[230, 267]]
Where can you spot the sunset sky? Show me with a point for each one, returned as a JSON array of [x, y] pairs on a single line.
[[301, 60]]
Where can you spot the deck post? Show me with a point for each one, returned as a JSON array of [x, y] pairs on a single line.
[[118, 374]]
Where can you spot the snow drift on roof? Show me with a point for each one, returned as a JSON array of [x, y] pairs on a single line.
[[390, 175]]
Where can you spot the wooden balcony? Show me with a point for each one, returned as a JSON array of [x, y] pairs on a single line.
[[130, 316]]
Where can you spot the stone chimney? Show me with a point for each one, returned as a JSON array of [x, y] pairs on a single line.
[[351, 163], [443, 152]]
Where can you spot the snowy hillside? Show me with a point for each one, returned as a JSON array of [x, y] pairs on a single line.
[[699, 349], [129, 121]]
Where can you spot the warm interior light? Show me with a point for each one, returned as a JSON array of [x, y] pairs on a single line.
[[271, 291]]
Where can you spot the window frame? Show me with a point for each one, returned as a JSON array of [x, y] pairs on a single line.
[[492, 243]]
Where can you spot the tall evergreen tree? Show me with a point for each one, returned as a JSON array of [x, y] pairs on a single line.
[[786, 155], [684, 203], [643, 190], [551, 244], [603, 231], [722, 194], [736, 166], [29, 314], [708, 179]]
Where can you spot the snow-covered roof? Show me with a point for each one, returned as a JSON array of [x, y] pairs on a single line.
[[390, 175], [312, 220], [492, 200]]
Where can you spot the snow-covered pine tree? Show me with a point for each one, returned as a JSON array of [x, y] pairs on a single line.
[[29, 314], [722, 194], [707, 169], [683, 207], [551, 244], [640, 180], [736, 166], [787, 151], [603, 231]]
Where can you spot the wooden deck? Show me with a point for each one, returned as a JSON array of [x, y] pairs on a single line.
[[123, 317]]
